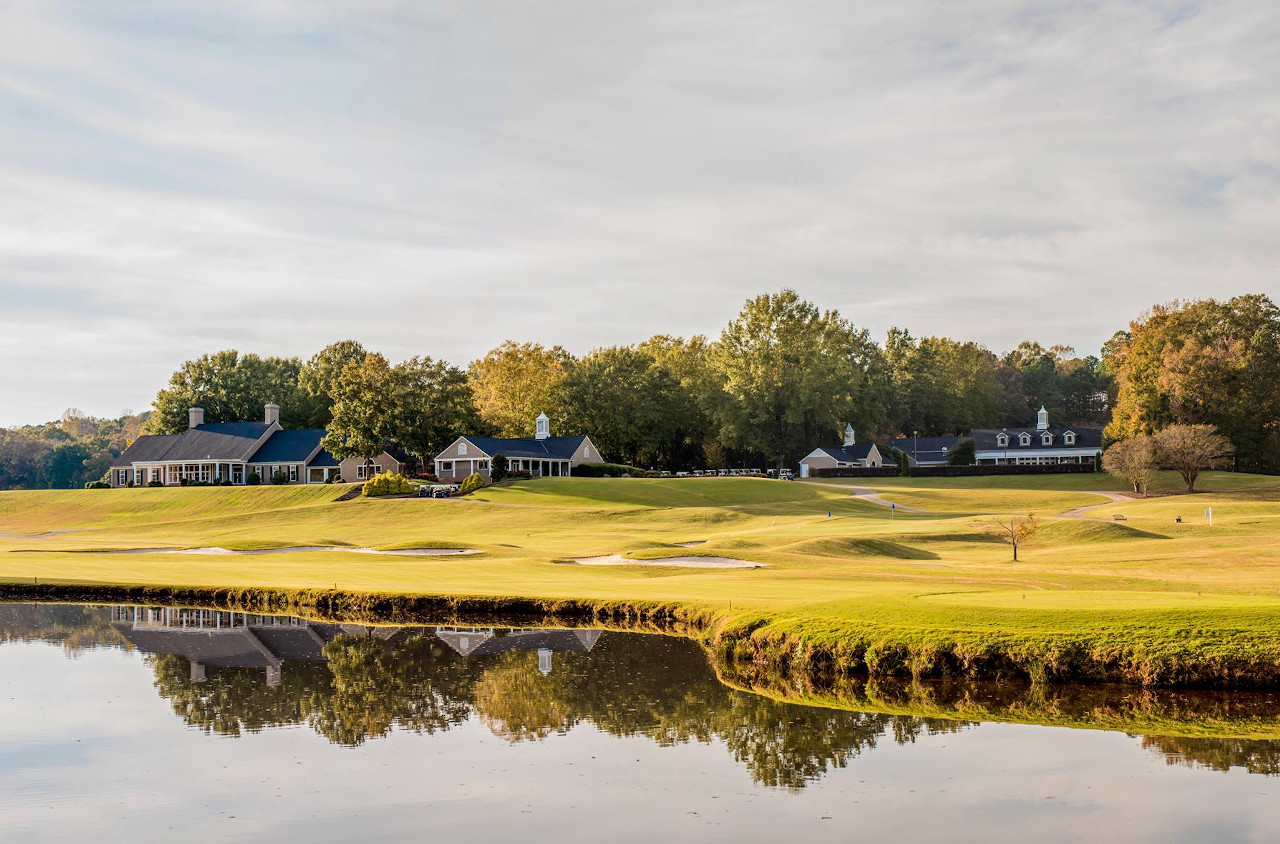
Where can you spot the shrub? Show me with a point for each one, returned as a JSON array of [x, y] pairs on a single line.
[[155, 483], [963, 454], [606, 470], [519, 476], [498, 468], [254, 479], [97, 485], [279, 476], [472, 483], [388, 484]]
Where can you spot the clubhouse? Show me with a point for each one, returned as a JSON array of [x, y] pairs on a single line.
[[543, 456], [230, 452]]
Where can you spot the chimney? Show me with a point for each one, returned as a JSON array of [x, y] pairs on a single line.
[[543, 426], [272, 413], [1042, 419], [849, 438], [195, 416]]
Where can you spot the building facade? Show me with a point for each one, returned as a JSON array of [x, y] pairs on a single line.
[[542, 456], [849, 455], [229, 452]]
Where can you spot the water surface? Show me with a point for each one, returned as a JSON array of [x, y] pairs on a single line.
[[135, 723]]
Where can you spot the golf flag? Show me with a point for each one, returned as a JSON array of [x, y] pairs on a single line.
[[1209, 515]]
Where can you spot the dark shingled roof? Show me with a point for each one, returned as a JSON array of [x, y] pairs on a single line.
[[848, 453], [324, 459], [1086, 438], [289, 446], [926, 449], [528, 448], [563, 641], [146, 448]]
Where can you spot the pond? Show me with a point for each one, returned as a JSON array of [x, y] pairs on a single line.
[[140, 723]]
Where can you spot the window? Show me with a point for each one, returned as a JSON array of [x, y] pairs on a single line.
[[462, 448], [1046, 438], [586, 450], [293, 474], [446, 467], [1024, 439], [1002, 440], [360, 472], [1069, 438]]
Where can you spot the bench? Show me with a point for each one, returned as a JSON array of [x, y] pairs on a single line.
[[1119, 517]]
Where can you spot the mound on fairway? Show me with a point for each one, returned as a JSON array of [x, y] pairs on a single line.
[[1074, 531], [842, 547], [651, 492]]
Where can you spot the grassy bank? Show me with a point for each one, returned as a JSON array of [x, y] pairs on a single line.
[[863, 589]]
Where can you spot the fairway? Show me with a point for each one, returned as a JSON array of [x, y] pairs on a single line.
[[845, 581]]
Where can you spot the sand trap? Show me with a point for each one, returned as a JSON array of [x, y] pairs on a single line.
[[681, 562], [693, 544], [214, 551]]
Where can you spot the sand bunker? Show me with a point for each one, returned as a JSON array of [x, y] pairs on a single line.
[[681, 562], [693, 544], [212, 551]]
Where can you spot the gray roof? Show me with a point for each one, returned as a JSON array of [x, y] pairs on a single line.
[[848, 453], [926, 449], [146, 448], [1086, 438], [324, 460], [528, 448], [289, 446], [563, 641], [214, 441]]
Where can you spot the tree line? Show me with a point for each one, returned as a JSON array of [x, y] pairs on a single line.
[[782, 377]]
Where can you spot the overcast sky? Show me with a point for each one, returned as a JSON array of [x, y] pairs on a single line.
[[432, 178]]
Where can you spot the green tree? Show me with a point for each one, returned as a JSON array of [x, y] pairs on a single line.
[[515, 382], [318, 379], [367, 406], [231, 388], [790, 375], [433, 405], [964, 453]]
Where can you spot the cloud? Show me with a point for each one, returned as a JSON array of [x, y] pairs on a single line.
[[434, 178]]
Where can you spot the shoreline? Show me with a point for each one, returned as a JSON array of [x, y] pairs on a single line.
[[822, 656]]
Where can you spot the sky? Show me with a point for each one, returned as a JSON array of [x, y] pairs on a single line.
[[182, 177]]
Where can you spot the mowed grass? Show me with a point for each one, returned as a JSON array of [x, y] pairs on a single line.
[[842, 574]]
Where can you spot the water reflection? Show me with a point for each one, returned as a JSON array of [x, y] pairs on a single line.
[[231, 673]]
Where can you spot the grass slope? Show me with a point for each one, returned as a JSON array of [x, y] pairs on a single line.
[[848, 583]]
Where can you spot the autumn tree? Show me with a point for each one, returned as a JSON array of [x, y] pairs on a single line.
[[1190, 449], [1014, 530], [231, 387], [432, 404], [515, 382], [1133, 459], [1203, 363], [790, 375], [366, 408]]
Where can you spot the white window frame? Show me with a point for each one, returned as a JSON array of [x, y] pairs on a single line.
[[293, 473], [1002, 440], [586, 450], [1024, 439], [462, 448], [1069, 438], [1046, 438], [446, 467]]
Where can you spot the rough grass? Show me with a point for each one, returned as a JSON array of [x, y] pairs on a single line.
[[850, 586]]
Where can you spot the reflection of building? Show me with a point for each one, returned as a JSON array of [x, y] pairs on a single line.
[[483, 641], [230, 639]]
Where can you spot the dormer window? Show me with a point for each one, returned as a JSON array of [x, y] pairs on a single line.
[[1069, 438], [462, 448], [1002, 440], [1024, 439], [1046, 438]]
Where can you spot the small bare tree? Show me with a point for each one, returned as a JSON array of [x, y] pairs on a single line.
[[1189, 449], [1132, 459], [1014, 530]]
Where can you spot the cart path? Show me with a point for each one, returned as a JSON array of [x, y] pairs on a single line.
[[1083, 512], [870, 495]]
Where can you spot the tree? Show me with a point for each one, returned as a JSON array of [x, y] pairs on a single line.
[[1015, 530], [789, 376], [1203, 363], [515, 382], [1133, 459], [318, 379], [940, 386], [365, 409], [499, 468], [689, 429], [231, 388], [963, 454], [433, 405], [1189, 449]]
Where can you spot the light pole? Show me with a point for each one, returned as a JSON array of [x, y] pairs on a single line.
[[915, 445]]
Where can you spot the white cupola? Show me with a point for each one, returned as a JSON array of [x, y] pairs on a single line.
[[1042, 419], [849, 438], [543, 426]]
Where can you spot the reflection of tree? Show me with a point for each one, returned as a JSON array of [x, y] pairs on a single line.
[[75, 626], [1257, 756], [232, 700]]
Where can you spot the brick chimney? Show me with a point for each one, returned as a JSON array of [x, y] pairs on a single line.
[[272, 413], [195, 416]]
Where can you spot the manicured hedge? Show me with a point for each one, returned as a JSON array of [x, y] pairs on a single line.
[[606, 470], [859, 472]]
